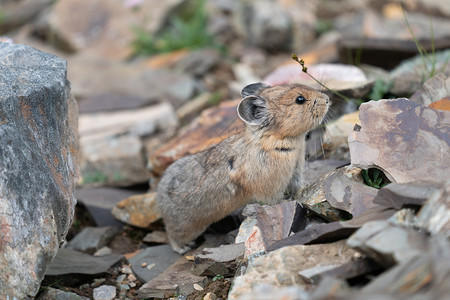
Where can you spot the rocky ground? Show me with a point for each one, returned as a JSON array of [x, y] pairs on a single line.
[[158, 80]]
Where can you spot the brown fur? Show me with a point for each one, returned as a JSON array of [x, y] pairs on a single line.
[[260, 164]]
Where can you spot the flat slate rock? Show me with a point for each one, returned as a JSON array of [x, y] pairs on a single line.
[[69, 261], [397, 195], [177, 279], [152, 261], [55, 294], [91, 239], [101, 201], [334, 231]]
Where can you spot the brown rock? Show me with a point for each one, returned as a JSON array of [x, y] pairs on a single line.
[[213, 126], [100, 27], [139, 210], [407, 141]]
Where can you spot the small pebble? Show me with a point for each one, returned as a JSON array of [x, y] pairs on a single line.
[[103, 251], [131, 277], [210, 296], [198, 287], [144, 264], [97, 282], [151, 266], [124, 287], [105, 292], [126, 270], [121, 278], [132, 284], [189, 257]]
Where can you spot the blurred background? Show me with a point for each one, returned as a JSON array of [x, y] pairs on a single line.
[[142, 71]]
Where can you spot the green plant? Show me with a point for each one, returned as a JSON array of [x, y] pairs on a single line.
[[380, 89], [189, 31], [76, 224], [2, 17], [373, 177], [429, 61], [94, 177], [323, 25], [214, 98], [53, 284], [218, 277]]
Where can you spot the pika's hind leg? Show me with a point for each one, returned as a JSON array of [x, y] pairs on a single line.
[[181, 249]]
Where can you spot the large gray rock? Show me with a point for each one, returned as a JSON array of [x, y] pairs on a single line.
[[434, 89], [38, 163], [388, 244], [409, 75]]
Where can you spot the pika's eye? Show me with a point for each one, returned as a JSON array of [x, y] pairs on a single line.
[[300, 100]]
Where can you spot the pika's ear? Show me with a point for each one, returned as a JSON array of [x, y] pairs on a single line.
[[253, 110], [253, 89]]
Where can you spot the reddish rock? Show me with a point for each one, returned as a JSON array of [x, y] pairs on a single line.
[[443, 104], [273, 223], [138, 210], [210, 128]]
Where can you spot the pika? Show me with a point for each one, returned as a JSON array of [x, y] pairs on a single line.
[[262, 163]]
